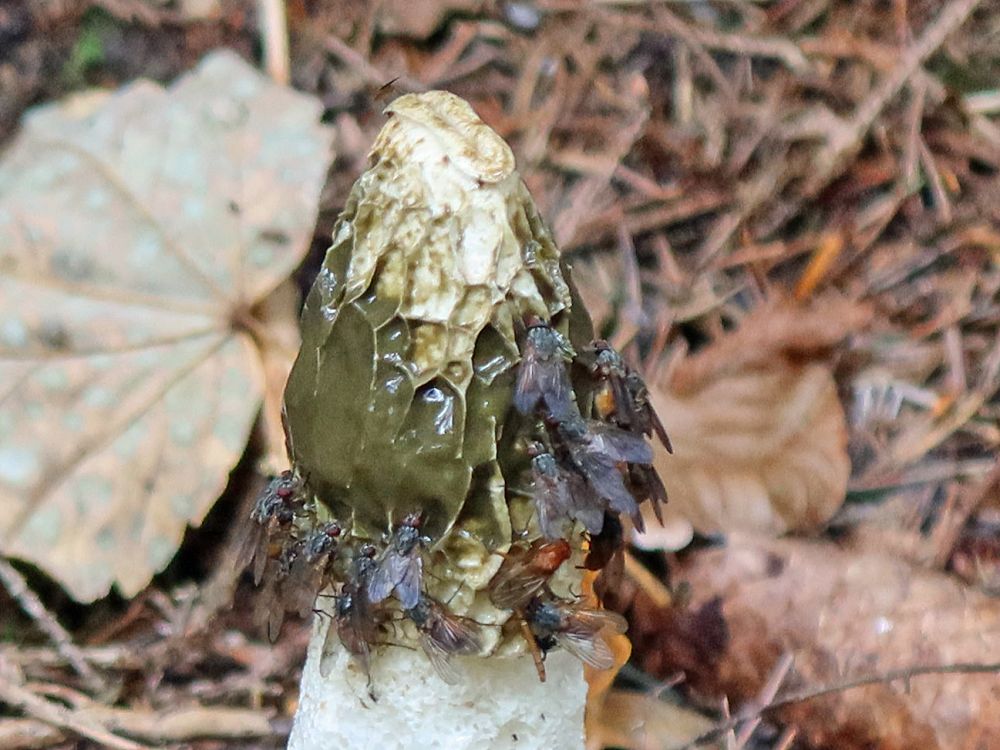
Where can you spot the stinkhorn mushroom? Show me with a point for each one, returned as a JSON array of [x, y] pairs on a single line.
[[461, 451]]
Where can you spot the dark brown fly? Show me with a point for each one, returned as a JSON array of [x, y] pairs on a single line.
[[356, 618], [596, 449], [605, 545], [543, 378], [561, 496], [646, 484], [526, 571], [625, 400], [443, 635], [270, 523], [607, 554], [401, 566], [575, 627], [310, 568]]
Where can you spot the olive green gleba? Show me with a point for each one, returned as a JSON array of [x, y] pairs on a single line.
[[457, 439]]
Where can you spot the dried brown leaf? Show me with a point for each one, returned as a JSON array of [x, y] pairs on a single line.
[[137, 232], [759, 432], [846, 616]]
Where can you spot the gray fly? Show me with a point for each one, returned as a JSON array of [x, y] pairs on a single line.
[[356, 618], [400, 568], [443, 635], [310, 568], [575, 627], [562, 495], [543, 378], [270, 523], [596, 449]]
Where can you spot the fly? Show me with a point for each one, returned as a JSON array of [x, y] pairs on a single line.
[[579, 629], [401, 566], [443, 635], [525, 572], [310, 568], [625, 400], [542, 377], [356, 618], [596, 449], [270, 523], [561, 495]]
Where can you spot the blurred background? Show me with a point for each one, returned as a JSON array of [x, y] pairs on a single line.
[[786, 214]]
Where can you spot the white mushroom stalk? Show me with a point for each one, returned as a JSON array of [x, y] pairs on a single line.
[[498, 704], [457, 442]]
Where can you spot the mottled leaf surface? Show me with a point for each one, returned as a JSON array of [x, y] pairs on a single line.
[[844, 616], [137, 231]]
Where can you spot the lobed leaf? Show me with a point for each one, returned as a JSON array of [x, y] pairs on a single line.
[[137, 231]]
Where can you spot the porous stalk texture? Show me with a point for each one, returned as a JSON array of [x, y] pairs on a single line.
[[499, 704]]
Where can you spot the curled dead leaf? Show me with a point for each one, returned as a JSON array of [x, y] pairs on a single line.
[[137, 232], [759, 450], [759, 433]]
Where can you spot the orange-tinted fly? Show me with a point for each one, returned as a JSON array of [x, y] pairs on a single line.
[[625, 397], [525, 572]]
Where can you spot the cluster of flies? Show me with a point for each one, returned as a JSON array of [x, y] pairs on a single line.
[[586, 471]]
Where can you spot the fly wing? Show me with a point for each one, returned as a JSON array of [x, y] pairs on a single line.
[[625, 411], [515, 584], [445, 636], [552, 501], [328, 654], [528, 388], [253, 547], [456, 635], [658, 428], [602, 473], [585, 505], [582, 635], [590, 648], [304, 580], [356, 627], [648, 482], [586, 619], [646, 418], [439, 659], [556, 390], [410, 578], [275, 619], [621, 445], [269, 611], [387, 575]]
